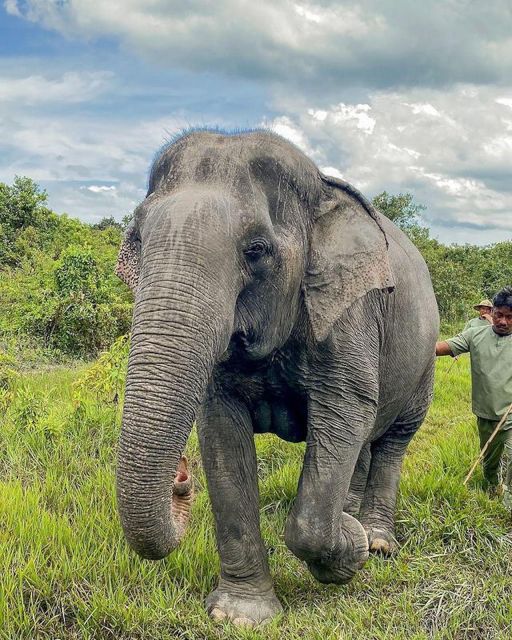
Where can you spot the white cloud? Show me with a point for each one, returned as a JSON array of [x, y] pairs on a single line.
[[308, 14], [95, 188], [92, 165], [11, 6], [332, 171], [89, 136], [457, 163], [505, 101], [286, 128], [358, 113], [70, 88], [428, 109], [453, 154], [363, 42]]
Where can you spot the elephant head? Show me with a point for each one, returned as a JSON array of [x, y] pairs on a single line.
[[239, 241]]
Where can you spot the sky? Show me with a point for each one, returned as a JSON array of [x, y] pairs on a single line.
[[390, 95]]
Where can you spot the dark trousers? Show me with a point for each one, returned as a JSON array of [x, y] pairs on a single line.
[[499, 451]]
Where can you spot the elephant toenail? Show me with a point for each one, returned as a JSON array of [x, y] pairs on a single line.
[[244, 622], [218, 614]]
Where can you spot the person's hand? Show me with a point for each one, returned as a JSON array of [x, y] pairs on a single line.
[[488, 317], [443, 349]]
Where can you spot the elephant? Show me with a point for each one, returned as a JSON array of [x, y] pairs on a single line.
[[268, 297]]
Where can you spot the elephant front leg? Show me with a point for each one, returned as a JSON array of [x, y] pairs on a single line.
[[332, 542], [244, 594]]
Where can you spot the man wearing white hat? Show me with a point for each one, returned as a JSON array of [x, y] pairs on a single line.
[[484, 318]]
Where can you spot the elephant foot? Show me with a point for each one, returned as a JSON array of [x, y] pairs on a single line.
[[243, 610], [342, 565], [335, 561], [381, 541]]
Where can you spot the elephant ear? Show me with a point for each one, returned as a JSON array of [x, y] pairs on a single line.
[[348, 255], [128, 260]]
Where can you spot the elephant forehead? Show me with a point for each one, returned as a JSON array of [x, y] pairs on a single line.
[[195, 209], [237, 160]]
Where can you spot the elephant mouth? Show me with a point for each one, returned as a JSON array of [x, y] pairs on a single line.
[[243, 341], [248, 346]]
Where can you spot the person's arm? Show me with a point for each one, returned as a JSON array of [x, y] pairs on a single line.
[[443, 349], [460, 343]]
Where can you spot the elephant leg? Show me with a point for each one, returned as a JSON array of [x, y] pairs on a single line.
[[332, 542], [377, 512], [244, 594], [358, 483]]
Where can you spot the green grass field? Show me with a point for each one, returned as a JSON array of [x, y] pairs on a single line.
[[66, 572]]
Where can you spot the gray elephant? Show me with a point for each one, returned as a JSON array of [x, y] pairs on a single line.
[[268, 298]]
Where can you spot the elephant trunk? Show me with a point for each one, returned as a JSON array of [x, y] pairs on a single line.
[[180, 328]]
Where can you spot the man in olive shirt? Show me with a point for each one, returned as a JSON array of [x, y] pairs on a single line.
[[490, 348], [484, 319]]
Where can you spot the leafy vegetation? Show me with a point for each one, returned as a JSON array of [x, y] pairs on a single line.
[[59, 297], [58, 292], [66, 570], [461, 274]]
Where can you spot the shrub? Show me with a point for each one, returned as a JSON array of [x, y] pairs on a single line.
[[8, 378], [77, 273], [27, 406], [8, 371], [58, 290], [105, 378]]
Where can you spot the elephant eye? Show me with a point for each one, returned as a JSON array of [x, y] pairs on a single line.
[[257, 249], [135, 239]]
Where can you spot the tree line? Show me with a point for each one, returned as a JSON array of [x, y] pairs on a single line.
[[461, 275], [59, 296]]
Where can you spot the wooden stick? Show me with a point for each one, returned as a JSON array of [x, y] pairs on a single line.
[[455, 359], [491, 438]]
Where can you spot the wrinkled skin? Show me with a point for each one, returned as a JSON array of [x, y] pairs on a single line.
[[269, 298]]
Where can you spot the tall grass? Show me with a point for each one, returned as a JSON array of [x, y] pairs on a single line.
[[66, 571]]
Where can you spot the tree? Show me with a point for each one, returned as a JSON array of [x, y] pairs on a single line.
[[77, 273], [126, 221], [22, 204], [105, 223], [496, 268], [456, 271], [22, 207], [400, 208]]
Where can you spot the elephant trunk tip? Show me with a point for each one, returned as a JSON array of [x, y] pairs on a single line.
[[182, 485], [150, 553], [158, 541]]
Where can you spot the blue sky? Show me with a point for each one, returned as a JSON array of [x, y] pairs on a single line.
[[390, 95]]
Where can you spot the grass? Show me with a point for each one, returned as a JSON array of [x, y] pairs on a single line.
[[66, 571]]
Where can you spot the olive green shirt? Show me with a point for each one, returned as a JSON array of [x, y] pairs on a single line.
[[491, 370], [477, 322]]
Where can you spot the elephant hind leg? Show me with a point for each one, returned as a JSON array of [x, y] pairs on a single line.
[[377, 512], [358, 482]]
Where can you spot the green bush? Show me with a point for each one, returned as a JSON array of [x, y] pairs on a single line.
[[105, 378], [58, 291], [60, 298], [77, 273], [8, 370], [461, 274], [8, 378], [27, 407]]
